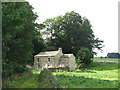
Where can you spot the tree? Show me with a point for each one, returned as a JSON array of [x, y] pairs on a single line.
[[84, 56], [71, 32], [18, 25], [39, 45]]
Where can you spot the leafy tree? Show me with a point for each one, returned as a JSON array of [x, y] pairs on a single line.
[[39, 45], [71, 32], [18, 31], [84, 56], [38, 42]]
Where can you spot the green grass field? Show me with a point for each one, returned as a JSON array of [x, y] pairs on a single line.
[[98, 75], [94, 77], [105, 59], [91, 78]]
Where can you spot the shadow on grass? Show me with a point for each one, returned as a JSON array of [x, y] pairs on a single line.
[[103, 66], [83, 82]]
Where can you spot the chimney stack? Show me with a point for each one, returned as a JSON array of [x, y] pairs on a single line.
[[60, 50]]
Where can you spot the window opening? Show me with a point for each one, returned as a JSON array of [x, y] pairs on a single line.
[[49, 59], [38, 66], [38, 59]]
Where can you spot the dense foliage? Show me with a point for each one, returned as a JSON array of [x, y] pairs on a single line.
[[71, 32], [84, 57], [18, 25]]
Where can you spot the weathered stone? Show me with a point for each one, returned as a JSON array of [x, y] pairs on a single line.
[[54, 59]]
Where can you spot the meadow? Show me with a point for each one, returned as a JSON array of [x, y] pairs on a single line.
[[97, 75], [105, 59]]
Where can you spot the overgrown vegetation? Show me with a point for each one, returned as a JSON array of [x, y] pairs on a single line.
[[47, 80], [97, 75], [21, 80], [18, 31], [84, 58], [20, 37]]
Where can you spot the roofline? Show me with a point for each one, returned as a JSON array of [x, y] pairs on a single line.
[[45, 55]]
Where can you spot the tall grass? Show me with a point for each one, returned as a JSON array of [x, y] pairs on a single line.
[[25, 80]]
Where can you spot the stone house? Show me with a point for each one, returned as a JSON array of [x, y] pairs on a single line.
[[54, 59]]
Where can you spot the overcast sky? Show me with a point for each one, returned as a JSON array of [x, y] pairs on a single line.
[[103, 15]]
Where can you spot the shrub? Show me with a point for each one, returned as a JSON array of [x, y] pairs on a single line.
[[84, 57], [105, 57], [47, 80]]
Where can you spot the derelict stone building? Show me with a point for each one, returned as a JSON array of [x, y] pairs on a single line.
[[54, 59]]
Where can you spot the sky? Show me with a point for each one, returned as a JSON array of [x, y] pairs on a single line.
[[102, 14]]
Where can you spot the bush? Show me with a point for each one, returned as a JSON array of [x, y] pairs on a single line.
[[84, 57], [105, 57], [47, 80]]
